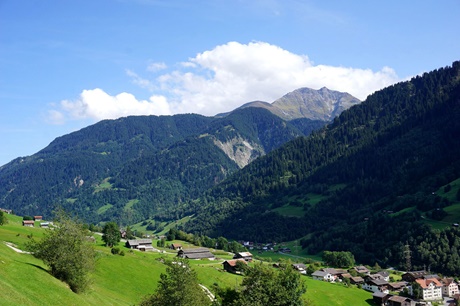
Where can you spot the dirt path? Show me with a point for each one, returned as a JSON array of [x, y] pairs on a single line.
[[208, 292], [13, 247]]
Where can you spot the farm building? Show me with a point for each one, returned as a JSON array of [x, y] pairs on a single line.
[[231, 265], [29, 223], [196, 253], [140, 244], [243, 255]]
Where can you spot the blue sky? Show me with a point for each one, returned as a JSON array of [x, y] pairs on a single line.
[[68, 64]]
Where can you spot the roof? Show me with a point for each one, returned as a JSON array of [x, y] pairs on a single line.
[[139, 242], [233, 262], [346, 275], [177, 245], [28, 221], [199, 255], [299, 266], [398, 298], [244, 254], [195, 253], [424, 283], [357, 279], [384, 273], [398, 285], [194, 250], [380, 294], [361, 269], [319, 273], [416, 274], [330, 270], [447, 281], [378, 282]]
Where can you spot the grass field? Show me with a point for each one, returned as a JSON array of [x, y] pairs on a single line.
[[123, 280]]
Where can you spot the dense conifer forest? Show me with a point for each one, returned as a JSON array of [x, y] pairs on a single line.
[[376, 166]]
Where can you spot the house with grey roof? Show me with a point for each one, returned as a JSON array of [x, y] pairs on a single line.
[[196, 253]]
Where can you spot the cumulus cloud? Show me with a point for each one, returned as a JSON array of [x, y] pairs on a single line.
[[224, 78], [97, 104]]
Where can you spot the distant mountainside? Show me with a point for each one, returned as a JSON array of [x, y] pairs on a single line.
[[140, 167], [369, 182], [322, 104]]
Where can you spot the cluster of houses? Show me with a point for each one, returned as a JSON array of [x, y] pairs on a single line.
[[31, 223], [8, 211], [433, 287]]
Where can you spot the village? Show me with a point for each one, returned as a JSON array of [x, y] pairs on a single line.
[[414, 288], [434, 289]]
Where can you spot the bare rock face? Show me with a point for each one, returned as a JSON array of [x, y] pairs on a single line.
[[241, 151]]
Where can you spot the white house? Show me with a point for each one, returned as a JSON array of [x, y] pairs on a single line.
[[432, 289], [323, 276], [450, 287]]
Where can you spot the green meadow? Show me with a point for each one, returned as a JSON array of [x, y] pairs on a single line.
[[123, 280]]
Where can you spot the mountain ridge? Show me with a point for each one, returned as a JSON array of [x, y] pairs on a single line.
[[322, 104]]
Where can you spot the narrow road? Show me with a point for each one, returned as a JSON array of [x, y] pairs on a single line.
[[208, 293], [13, 247]]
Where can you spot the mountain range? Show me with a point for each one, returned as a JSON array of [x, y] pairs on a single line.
[[318, 167], [142, 167]]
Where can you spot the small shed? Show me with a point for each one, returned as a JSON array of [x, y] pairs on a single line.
[[38, 218], [29, 223], [44, 224], [231, 265], [176, 246]]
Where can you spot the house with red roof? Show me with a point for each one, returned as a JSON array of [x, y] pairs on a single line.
[[432, 289]]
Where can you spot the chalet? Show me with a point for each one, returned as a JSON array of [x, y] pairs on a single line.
[[450, 287], [29, 223], [431, 289], [176, 246], [140, 244], [413, 275], [396, 300], [376, 285], [300, 267], [196, 253], [243, 255], [361, 270], [284, 250], [380, 298], [398, 286], [345, 276], [356, 280], [385, 275], [323, 276], [44, 224], [38, 218], [231, 265]]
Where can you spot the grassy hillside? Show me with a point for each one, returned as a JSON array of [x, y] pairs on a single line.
[[121, 280]]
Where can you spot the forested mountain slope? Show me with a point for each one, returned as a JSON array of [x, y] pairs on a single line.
[[374, 171], [140, 167]]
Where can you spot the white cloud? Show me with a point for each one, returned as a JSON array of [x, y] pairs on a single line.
[[98, 105], [224, 78], [153, 67]]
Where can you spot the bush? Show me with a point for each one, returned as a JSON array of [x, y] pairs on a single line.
[[115, 251]]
